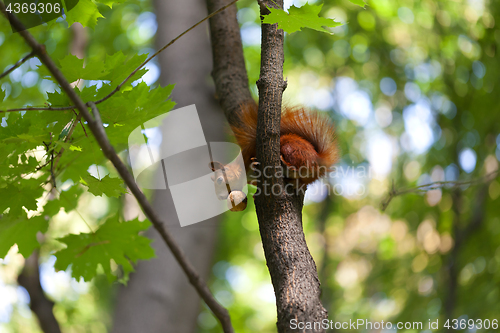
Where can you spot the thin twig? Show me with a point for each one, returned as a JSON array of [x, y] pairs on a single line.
[[67, 138], [131, 74], [50, 152], [162, 49], [36, 108], [17, 64], [39, 108], [97, 129], [436, 185]]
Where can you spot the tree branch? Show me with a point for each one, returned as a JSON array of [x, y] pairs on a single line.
[[17, 64], [114, 91], [292, 268], [163, 48], [40, 108], [97, 129], [41, 306], [436, 185], [229, 72]]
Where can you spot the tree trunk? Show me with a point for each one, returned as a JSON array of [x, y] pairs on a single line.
[[279, 211], [41, 306], [158, 297], [292, 268]]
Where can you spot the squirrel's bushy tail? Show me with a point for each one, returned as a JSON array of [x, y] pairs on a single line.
[[246, 131], [313, 127]]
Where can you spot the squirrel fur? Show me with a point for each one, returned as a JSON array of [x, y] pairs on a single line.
[[308, 146], [308, 149]]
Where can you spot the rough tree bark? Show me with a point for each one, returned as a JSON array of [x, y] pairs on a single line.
[[292, 268], [229, 72], [158, 297]]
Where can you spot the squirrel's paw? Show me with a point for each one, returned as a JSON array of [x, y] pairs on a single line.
[[290, 171], [254, 165], [254, 162]]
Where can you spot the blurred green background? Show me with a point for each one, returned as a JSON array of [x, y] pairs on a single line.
[[412, 87]]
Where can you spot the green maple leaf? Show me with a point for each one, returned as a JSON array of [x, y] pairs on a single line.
[[21, 231], [130, 109], [137, 105], [110, 3], [88, 93], [114, 240], [25, 138], [85, 12], [57, 99], [298, 18], [68, 201], [72, 68], [69, 4], [120, 66], [61, 144], [114, 68], [360, 3], [17, 196], [112, 187], [55, 121]]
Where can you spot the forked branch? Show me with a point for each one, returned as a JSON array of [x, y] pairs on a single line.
[[114, 91], [97, 129]]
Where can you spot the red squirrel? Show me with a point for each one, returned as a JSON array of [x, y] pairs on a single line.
[[308, 149]]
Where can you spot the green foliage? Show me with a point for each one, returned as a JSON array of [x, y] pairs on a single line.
[[361, 3], [366, 258], [114, 241], [67, 200], [74, 69], [39, 148], [110, 3], [300, 17], [85, 12], [122, 67], [21, 231], [25, 160], [17, 195], [389, 253], [112, 187]]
